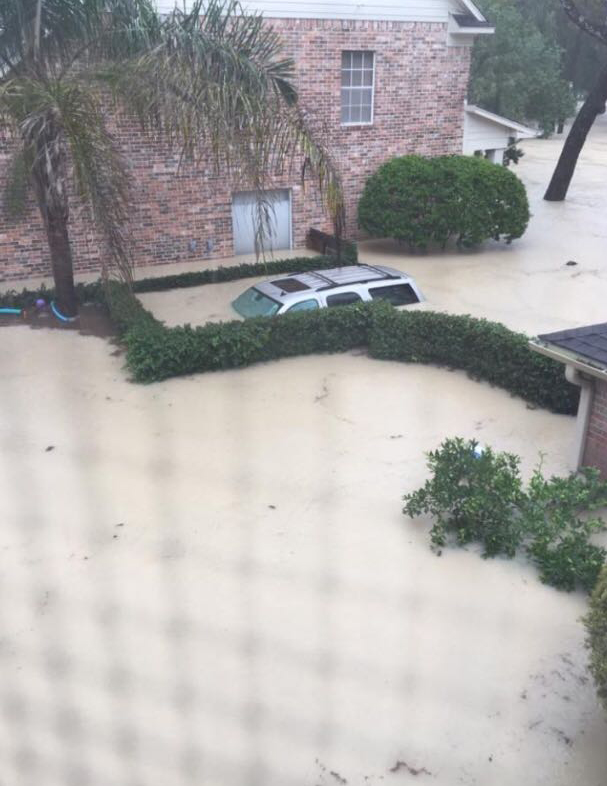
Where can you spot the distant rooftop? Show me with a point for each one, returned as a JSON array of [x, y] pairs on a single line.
[[589, 343]]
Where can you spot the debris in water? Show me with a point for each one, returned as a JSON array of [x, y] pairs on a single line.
[[338, 777], [400, 765], [49, 448], [571, 263]]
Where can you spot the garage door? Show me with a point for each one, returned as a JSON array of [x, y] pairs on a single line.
[[244, 221]]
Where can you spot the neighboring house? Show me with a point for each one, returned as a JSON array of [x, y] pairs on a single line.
[[489, 134], [583, 351], [382, 78]]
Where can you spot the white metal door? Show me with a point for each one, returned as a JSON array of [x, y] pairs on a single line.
[[245, 219]]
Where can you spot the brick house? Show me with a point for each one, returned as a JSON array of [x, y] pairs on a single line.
[[382, 78], [583, 351]]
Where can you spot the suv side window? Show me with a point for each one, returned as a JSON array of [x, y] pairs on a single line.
[[343, 299], [304, 305], [397, 294]]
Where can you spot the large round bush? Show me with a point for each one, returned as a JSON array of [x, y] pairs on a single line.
[[596, 626], [430, 200]]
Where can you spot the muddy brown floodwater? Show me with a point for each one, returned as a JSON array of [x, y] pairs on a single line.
[[209, 581]]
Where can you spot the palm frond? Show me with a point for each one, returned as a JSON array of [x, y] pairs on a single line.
[[47, 37], [53, 117], [100, 172], [216, 85]]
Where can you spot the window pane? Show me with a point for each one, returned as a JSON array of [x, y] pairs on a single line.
[[365, 114], [343, 299], [354, 114], [397, 294], [305, 305], [357, 87], [361, 97]]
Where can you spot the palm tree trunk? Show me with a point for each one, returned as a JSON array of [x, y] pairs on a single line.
[[50, 183], [61, 262], [594, 105]]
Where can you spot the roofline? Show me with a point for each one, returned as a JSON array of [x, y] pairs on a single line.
[[474, 10], [567, 358], [501, 121]]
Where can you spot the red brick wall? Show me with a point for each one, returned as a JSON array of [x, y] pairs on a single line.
[[595, 452], [420, 85]]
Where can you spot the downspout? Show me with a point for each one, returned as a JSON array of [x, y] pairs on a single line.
[[573, 375]]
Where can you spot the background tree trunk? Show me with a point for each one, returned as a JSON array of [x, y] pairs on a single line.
[[49, 174], [594, 105]]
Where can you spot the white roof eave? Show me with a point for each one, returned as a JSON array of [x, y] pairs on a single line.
[[501, 121], [473, 31], [476, 13]]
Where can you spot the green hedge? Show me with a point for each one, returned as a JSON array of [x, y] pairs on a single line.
[[421, 201], [596, 628], [93, 292], [155, 353], [26, 298], [245, 270], [485, 350]]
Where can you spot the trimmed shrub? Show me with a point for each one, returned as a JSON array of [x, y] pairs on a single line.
[[126, 312], [596, 628], [485, 350], [421, 201], [154, 354]]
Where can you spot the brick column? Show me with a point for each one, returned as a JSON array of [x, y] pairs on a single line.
[[595, 453]]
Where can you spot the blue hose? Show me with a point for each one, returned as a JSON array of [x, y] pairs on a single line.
[[10, 311], [59, 315]]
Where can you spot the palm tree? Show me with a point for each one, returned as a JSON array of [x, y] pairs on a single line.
[[211, 81]]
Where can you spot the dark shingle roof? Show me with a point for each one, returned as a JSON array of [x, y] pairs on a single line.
[[589, 342], [467, 20]]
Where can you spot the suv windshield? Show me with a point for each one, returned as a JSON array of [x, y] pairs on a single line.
[[254, 303]]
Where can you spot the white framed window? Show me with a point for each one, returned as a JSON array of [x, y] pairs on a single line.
[[357, 87]]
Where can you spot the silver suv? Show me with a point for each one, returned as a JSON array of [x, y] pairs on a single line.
[[339, 286]]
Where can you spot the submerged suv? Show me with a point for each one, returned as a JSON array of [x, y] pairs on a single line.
[[339, 286]]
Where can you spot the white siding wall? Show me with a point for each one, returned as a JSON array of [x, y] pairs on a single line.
[[481, 134], [397, 10]]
